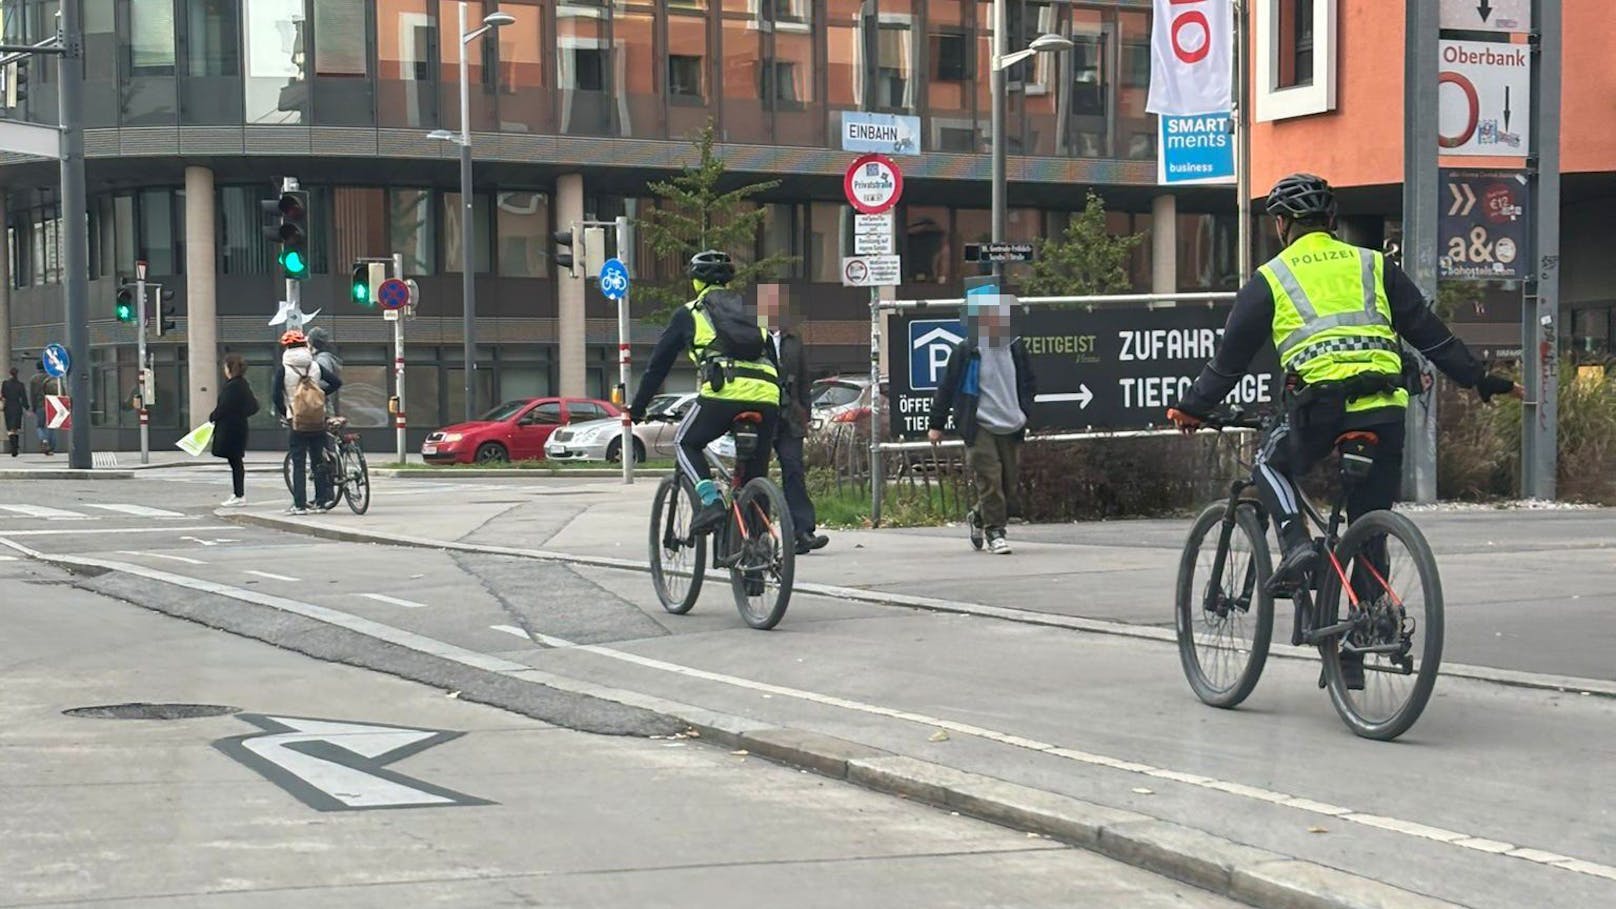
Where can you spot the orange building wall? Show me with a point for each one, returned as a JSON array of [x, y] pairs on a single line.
[[1360, 143]]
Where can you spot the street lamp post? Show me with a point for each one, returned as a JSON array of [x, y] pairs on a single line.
[[468, 266], [1002, 61]]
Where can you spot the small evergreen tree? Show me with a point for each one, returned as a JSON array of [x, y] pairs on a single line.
[[1085, 259], [693, 214]]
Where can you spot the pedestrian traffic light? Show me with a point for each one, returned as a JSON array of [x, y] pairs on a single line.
[[359, 286], [164, 323], [294, 234], [125, 308], [16, 83], [567, 256]]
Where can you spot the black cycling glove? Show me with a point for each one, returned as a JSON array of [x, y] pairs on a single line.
[[1490, 385]]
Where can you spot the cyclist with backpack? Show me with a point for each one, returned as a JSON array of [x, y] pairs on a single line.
[[737, 371], [299, 398]]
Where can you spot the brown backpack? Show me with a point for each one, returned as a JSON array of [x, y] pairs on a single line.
[[308, 404]]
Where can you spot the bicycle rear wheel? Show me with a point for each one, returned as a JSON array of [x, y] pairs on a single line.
[[354, 482], [678, 560], [1396, 615], [286, 471], [761, 538], [1224, 629]]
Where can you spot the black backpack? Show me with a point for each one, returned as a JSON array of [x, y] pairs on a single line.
[[738, 337]]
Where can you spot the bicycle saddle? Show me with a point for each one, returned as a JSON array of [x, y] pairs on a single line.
[[750, 416]]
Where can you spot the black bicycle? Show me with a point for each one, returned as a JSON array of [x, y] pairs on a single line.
[[755, 542], [344, 464], [1380, 563]]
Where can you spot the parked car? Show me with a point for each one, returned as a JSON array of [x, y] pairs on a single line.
[[838, 401], [602, 440], [513, 431]]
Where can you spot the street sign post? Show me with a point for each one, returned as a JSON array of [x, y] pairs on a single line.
[[614, 279], [1108, 369], [1487, 15], [999, 252], [1483, 232], [58, 362], [893, 134], [872, 271], [1484, 98], [872, 234], [873, 184]]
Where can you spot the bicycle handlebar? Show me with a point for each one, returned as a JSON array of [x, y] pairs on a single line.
[[1234, 418]]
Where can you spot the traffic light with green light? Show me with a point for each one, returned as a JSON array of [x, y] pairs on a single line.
[[294, 234], [359, 287], [125, 308]]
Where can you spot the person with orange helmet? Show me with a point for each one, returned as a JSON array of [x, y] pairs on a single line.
[[303, 409]]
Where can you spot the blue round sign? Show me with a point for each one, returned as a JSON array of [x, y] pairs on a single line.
[[58, 362], [614, 279]]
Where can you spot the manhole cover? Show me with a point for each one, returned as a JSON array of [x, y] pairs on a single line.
[[151, 711]]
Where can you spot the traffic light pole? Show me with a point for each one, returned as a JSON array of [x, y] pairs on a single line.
[[399, 420], [294, 289], [140, 358], [76, 243]]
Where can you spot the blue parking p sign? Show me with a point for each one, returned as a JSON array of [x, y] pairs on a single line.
[[930, 343]]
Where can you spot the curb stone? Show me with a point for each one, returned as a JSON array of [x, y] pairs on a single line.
[[1259, 877], [65, 473]]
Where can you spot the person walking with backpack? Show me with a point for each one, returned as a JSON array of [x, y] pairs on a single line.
[[299, 399], [229, 418], [14, 401], [41, 385], [737, 371]]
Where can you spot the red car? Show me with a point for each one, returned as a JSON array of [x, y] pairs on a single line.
[[513, 431]]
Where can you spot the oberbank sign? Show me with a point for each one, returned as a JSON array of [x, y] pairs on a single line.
[[1196, 149]]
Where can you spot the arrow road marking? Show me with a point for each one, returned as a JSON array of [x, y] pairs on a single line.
[[332, 765], [208, 542], [1083, 396]]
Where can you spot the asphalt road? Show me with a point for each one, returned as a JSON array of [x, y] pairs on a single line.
[[1498, 798]]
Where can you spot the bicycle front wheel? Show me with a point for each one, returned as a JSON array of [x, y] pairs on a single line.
[[1225, 622], [1394, 610], [678, 559], [355, 479], [764, 547]]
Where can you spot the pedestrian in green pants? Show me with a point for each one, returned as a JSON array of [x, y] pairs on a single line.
[[988, 389]]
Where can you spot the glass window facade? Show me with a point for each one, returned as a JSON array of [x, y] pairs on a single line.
[[453, 243], [275, 41], [522, 229]]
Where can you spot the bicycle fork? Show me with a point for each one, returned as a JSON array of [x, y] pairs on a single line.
[[1214, 601]]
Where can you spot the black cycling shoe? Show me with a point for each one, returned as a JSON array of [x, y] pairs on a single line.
[[1352, 670], [1293, 568], [754, 584], [707, 518]]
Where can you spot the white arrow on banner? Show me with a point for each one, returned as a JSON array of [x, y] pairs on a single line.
[[1082, 396], [1462, 203], [335, 765]]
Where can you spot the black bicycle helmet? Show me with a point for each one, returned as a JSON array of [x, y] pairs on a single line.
[[1302, 197], [711, 267]]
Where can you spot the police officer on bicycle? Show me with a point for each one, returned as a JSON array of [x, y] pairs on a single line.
[[1337, 315], [737, 371]]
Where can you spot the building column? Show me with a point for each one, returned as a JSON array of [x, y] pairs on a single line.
[[5, 298], [1164, 244], [201, 307], [571, 337]]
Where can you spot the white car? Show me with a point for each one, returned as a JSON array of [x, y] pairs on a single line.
[[602, 440]]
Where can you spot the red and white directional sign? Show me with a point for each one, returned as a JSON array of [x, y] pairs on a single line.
[[58, 412], [1484, 99], [873, 184]]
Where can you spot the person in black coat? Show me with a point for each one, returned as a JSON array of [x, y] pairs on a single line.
[[229, 418], [774, 307], [14, 397]]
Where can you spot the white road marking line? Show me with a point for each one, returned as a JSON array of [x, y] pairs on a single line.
[[41, 511], [8, 558], [139, 511], [477, 660], [512, 630], [1394, 825], [393, 601], [58, 533], [158, 555], [271, 576]]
